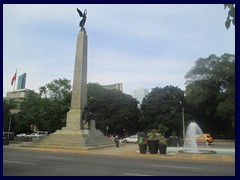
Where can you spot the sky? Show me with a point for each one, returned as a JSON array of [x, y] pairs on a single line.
[[139, 45]]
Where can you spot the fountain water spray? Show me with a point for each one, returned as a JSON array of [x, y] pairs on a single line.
[[191, 145]]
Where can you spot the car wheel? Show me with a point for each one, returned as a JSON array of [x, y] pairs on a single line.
[[124, 141]]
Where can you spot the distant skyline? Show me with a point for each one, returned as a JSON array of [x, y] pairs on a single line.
[[139, 45], [21, 81], [139, 94]]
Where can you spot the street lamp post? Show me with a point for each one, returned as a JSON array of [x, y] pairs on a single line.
[[9, 125], [106, 130], [183, 124]]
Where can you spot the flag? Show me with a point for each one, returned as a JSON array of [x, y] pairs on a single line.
[[14, 78]]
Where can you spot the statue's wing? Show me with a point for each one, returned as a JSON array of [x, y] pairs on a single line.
[[80, 13]]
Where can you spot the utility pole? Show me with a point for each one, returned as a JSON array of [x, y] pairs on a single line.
[[9, 125], [183, 124], [106, 130]]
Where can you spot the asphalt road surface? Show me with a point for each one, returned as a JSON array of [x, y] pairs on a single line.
[[223, 144], [34, 163]]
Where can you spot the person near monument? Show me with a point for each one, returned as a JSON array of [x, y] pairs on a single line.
[[84, 17], [116, 140]]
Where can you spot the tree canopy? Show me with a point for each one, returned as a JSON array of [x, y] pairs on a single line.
[[210, 92], [114, 109], [47, 110], [162, 108], [231, 15], [8, 106]]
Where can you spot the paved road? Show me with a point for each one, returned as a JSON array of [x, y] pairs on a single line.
[[223, 144], [18, 162]]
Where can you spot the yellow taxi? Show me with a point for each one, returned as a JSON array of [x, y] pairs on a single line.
[[205, 138]]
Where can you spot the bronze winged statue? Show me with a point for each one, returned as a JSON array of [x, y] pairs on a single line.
[[84, 17]]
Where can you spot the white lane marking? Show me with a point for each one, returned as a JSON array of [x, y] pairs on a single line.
[[17, 162], [176, 167], [50, 157], [132, 174]]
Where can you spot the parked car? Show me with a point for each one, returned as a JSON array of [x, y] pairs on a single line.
[[22, 135], [33, 135], [133, 138], [207, 139], [42, 133]]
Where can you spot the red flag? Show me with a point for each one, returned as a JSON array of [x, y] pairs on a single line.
[[14, 78]]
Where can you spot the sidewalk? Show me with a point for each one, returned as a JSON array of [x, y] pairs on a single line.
[[132, 151]]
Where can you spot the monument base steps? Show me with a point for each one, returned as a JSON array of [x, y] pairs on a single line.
[[72, 139]]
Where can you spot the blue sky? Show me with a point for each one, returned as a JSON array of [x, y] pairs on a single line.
[[139, 45]]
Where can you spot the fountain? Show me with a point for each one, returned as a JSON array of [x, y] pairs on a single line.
[[191, 145]]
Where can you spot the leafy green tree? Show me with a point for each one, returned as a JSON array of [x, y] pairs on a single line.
[[162, 109], [30, 111], [231, 15], [210, 92], [114, 109], [57, 95], [58, 89], [8, 106], [47, 110]]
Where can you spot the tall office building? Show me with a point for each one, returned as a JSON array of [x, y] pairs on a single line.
[[21, 81], [139, 94], [117, 86]]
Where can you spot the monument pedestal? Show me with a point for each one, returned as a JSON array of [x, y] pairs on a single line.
[[74, 139], [73, 119]]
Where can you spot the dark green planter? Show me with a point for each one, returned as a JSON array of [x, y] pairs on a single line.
[[162, 148], [142, 148], [153, 146]]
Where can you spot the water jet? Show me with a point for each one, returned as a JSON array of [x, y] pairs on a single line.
[[191, 145]]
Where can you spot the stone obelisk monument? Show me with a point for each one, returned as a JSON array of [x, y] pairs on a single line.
[[79, 91], [75, 135]]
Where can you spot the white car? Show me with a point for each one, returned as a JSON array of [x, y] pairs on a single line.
[[42, 133], [21, 135], [33, 135], [133, 138]]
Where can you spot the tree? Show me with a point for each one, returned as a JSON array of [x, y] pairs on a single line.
[[210, 92], [113, 108], [8, 105], [58, 89], [161, 108], [231, 15], [47, 110], [30, 112]]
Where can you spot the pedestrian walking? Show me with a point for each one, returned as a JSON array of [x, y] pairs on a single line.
[[116, 140]]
